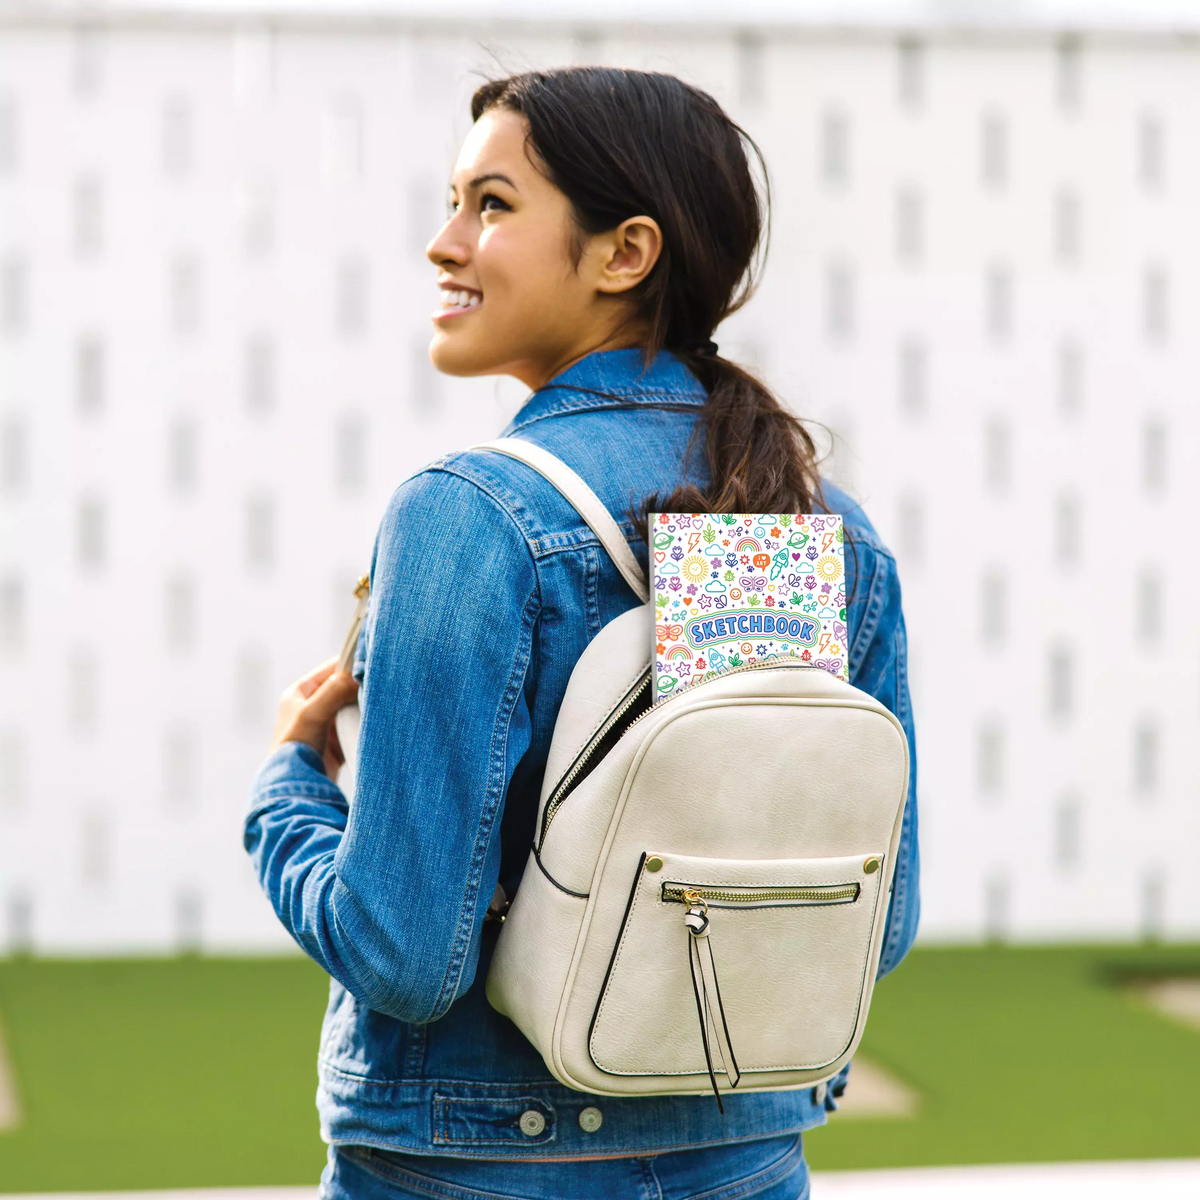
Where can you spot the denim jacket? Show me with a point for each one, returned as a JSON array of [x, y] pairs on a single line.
[[486, 586]]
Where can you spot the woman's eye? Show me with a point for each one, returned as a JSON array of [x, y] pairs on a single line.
[[490, 202]]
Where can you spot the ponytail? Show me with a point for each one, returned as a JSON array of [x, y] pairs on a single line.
[[760, 457]]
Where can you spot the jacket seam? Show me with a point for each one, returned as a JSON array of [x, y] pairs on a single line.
[[442, 1104], [314, 791], [578, 539], [872, 611], [497, 787], [428, 1185], [819, 1118], [591, 585], [897, 918], [647, 399], [499, 501], [538, 547]]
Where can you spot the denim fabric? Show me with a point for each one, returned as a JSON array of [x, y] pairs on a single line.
[[771, 1169], [486, 588]]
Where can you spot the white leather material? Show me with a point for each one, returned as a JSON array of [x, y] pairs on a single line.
[[791, 991], [616, 658], [780, 774], [586, 502], [549, 919], [349, 721]]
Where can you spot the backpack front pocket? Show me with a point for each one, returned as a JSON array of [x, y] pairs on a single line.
[[735, 966]]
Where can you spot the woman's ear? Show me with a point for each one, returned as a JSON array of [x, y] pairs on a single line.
[[627, 254]]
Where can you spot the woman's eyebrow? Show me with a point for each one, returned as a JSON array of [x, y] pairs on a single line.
[[482, 179]]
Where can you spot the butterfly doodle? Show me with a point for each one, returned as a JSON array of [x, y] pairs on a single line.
[[753, 583], [668, 633]]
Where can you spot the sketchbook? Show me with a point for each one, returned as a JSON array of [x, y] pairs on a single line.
[[733, 590]]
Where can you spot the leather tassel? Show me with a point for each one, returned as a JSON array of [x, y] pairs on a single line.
[[714, 1029]]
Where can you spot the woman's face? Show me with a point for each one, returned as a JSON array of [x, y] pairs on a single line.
[[513, 299]]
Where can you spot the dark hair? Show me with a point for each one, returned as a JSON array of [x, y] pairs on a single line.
[[630, 143]]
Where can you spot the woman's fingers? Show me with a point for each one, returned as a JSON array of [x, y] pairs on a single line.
[[308, 707], [314, 679], [333, 694]]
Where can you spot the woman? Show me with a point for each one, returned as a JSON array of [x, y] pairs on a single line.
[[604, 223]]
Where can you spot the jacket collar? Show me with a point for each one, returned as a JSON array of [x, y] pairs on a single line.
[[612, 379]]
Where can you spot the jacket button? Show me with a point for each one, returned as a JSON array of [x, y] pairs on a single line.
[[590, 1120], [532, 1122]]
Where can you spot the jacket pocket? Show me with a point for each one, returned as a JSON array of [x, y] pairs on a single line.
[[760, 961]]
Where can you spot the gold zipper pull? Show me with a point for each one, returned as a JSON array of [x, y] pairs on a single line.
[[696, 916]]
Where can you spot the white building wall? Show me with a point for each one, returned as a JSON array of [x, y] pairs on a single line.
[[213, 306]]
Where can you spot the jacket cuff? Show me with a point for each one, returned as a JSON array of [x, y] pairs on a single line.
[[295, 769]]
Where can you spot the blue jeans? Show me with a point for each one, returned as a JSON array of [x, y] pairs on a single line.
[[770, 1169]]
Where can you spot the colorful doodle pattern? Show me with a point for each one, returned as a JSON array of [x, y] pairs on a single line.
[[736, 589]]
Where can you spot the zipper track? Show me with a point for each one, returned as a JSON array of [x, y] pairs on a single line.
[[822, 893], [564, 785], [563, 790]]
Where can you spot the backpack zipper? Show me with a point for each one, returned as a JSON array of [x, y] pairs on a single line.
[[635, 694], [565, 784], [822, 893]]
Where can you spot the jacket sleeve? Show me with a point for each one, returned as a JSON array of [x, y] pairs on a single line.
[[388, 893], [879, 665]]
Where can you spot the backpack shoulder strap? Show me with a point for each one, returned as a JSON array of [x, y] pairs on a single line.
[[587, 503]]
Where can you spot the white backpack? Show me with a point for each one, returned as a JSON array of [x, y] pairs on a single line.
[[705, 901]]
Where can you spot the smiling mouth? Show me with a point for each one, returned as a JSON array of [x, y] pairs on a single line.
[[456, 302]]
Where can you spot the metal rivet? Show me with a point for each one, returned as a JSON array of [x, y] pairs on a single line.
[[654, 863], [590, 1120], [871, 866], [532, 1122]]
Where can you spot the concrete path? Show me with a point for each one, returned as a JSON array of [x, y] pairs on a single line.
[[1177, 1179], [1175, 999], [875, 1092], [10, 1099]]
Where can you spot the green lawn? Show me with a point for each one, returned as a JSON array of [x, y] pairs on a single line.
[[162, 1073], [200, 1072], [1023, 1055]]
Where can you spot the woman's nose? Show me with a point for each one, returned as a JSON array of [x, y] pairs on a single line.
[[445, 247]]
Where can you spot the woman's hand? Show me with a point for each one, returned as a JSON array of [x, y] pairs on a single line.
[[308, 711]]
